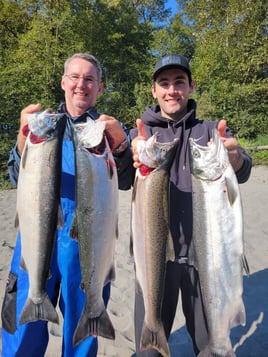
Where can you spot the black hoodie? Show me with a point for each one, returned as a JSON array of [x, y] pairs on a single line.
[[180, 174]]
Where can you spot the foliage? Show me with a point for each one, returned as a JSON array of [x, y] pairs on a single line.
[[226, 42], [5, 146], [230, 62], [259, 157]]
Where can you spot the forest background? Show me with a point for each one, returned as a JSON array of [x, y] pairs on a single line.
[[225, 41]]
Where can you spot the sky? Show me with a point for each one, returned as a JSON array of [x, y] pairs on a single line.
[[172, 4]]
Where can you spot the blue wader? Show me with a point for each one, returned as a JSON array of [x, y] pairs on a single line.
[[31, 339]]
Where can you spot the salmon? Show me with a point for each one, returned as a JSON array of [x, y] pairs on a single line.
[[151, 239], [217, 249], [95, 225], [38, 209]]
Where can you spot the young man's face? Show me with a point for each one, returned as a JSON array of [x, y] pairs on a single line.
[[81, 86], [172, 90]]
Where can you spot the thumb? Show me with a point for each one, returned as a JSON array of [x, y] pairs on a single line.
[[222, 128], [141, 129]]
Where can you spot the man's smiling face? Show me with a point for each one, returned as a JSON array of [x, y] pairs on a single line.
[[172, 90], [81, 85]]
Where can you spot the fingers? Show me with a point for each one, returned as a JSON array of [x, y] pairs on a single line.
[[231, 144], [141, 129], [30, 109], [105, 117], [136, 161], [114, 130], [141, 136], [222, 126]]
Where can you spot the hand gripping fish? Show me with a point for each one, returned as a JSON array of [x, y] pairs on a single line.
[[95, 225], [151, 239], [38, 209], [217, 249]]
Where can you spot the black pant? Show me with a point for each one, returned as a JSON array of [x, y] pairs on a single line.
[[178, 277]]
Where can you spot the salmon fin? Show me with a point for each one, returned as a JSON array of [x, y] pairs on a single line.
[[231, 191], [156, 340], [74, 228], [60, 217], [131, 251], [245, 264], [22, 264], [134, 190], [24, 156], [170, 253], [240, 316], [116, 229], [110, 276], [49, 275], [17, 222], [41, 311], [192, 256], [97, 326]]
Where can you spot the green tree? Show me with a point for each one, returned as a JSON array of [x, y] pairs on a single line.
[[37, 37], [230, 61]]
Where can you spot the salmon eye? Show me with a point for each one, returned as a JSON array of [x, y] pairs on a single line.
[[196, 153]]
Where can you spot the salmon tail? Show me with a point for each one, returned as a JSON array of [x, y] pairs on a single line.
[[60, 217], [245, 264], [156, 340], [110, 276], [23, 265], [170, 253], [208, 352], [97, 326], [16, 224], [41, 311], [131, 245]]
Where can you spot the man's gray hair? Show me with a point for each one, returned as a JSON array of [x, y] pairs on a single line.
[[88, 57]]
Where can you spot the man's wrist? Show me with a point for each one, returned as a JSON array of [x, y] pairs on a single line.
[[121, 147]]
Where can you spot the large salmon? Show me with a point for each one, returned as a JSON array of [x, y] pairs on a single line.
[[38, 209], [151, 239], [217, 249], [95, 225]]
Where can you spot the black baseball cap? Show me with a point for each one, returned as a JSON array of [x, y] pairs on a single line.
[[172, 61]]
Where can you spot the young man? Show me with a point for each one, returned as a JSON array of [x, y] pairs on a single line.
[[81, 82], [175, 117]]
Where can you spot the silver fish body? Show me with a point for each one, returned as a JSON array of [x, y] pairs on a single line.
[[38, 214], [217, 249], [96, 227], [152, 246]]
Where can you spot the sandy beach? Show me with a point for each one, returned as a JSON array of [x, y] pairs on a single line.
[[248, 341]]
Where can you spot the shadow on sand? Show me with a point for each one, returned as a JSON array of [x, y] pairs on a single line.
[[248, 341]]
